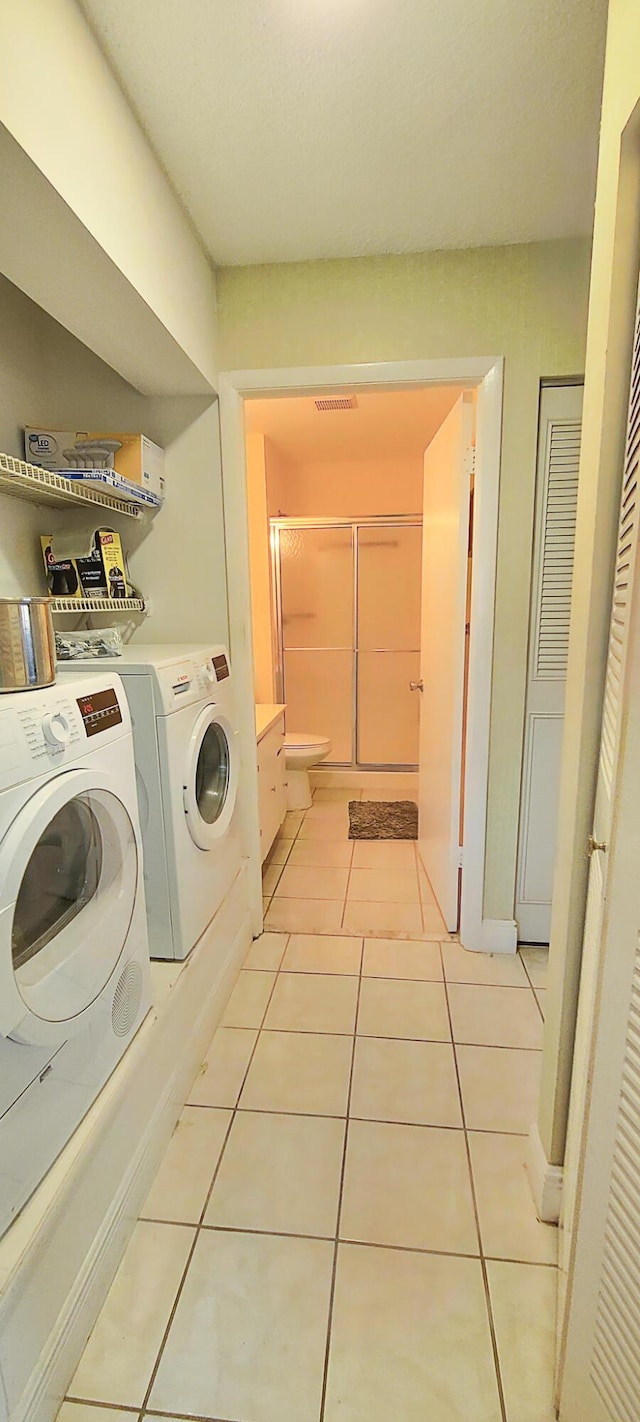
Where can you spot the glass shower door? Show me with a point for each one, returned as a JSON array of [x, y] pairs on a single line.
[[388, 643], [317, 618]]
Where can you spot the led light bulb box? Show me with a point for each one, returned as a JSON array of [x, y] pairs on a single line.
[[133, 456]]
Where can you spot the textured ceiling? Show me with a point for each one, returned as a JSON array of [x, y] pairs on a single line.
[[294, 129], [387, 424]]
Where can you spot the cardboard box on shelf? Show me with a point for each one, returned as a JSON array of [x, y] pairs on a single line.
[[98, 572], [134, 456]]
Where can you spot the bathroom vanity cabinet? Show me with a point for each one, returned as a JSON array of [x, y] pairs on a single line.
[[271, 773]]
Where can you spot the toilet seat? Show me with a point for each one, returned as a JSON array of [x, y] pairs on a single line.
[[299, 741]]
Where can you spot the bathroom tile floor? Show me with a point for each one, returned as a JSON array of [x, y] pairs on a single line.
[[341, 1228]]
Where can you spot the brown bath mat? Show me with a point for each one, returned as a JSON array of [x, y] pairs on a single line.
[[383, 819]]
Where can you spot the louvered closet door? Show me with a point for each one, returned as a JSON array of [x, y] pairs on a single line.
[[600, 1381], [555, 528]]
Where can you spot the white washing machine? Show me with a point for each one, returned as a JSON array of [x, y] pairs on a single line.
[[188, 766], [74, 959]]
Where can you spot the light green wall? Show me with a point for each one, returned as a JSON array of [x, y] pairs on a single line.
[[526, 303]]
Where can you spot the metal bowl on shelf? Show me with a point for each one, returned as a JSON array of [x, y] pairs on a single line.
[[27, 647]]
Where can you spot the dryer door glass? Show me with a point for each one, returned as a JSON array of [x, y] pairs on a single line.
[[74, 905], [212, 773]]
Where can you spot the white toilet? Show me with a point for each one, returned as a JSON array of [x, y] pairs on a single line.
[[301, 752]]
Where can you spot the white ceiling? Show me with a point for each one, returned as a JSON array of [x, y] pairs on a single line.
[[385, 424], [294, 129]]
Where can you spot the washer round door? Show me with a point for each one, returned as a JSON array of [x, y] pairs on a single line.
[[211, 778], [68, 881]]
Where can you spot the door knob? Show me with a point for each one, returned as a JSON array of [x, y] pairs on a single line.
[[416, 685]]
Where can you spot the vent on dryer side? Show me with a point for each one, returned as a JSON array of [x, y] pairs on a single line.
[[126, 999], [336, 402]]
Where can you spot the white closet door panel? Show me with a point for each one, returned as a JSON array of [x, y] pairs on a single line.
[[600, 1254], [550, 616]]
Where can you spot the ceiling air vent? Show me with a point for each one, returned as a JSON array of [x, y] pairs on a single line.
[[338, 402]]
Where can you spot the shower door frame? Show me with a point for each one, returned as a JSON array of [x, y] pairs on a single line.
[[372, 521], [485, 374]]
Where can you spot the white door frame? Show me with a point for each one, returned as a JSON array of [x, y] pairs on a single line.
[[486, 374]]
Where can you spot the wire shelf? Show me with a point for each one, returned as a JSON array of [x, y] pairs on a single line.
[[98, 604], [44, 486]]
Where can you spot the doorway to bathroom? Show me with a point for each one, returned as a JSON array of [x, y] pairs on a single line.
[[324, 510]]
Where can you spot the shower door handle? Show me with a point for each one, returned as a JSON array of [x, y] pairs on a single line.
[[416, 685]]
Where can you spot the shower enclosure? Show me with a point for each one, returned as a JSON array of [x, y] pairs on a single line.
[[347, 612]]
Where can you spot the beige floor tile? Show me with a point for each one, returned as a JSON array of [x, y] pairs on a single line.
[[410, 1340], [426, 892], [291, 824], [387, 958], [265, 954], [271, 874], [433, 920], [248, 1338], [303, 882], [303, 1071], [118, 1360], [321, 853], [537, 964], [265, 903], [389, 792], [398, 886], [508, 1223], [494, 1016], [526, 1354], [280, 851], [499, 1088], [408, 1186], [180, 1188], [541, 998], [304, 915], [383, 854], [246, 1006], [84, 1412], [382, 919], [396, 1008], [321, 953], [324, 827], [280, 1174], [498, 969], [336, 810], [313, 1002], [413, 1082], [222, 1074]]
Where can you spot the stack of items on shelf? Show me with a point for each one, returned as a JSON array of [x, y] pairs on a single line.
[[128, 465], [98, 570]]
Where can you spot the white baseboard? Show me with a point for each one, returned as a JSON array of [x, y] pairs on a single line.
[[404, 781], [493, 935], [545, 1180], [56, 1271]]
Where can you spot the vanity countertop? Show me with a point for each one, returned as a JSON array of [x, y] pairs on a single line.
[[266, 717]]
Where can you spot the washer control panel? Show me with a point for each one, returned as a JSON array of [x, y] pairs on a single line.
[[100, 712]]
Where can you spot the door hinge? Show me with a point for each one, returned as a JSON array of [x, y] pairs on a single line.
[[594, 845], [470, 461], [460, 856]]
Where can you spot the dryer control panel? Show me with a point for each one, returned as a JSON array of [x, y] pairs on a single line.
[[49, 728], [99, 711]]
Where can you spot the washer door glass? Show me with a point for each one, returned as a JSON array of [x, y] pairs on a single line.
[[74, 904], [212, 773], [61, 877]]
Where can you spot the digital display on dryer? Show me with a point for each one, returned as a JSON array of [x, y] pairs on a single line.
[[221, 667], [100, 712]]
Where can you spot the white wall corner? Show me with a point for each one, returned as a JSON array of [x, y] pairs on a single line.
[[545, 1180], [492, 935]]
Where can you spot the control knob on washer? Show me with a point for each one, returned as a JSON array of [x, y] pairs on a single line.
[[208, 674], [56, 729]]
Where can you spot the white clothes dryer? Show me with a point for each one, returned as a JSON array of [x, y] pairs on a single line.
[[74, 959], [188, 767]]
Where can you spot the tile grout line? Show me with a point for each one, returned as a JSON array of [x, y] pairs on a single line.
[[530, 982], [483, 1265], [420, 900], [332, 1291], [199, 1225], [346, 892]]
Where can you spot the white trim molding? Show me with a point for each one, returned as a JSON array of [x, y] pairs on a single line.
[[485, 374], [545, 1180], [498, 935]]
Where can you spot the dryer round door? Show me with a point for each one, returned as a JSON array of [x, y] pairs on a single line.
[[68, 882], [211, 777]]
